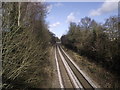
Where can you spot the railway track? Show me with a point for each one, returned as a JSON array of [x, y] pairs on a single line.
[[70, 75]]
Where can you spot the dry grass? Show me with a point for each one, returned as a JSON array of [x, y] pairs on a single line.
[[101, 76]]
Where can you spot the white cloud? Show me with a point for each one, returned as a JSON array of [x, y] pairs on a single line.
[[105, 8], [71, 17], [51, 29], [54, 25], [49, 8]]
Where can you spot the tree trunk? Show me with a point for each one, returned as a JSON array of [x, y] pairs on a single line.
[[19, 13]]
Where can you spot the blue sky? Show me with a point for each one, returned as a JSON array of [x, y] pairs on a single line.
[[62, 13]]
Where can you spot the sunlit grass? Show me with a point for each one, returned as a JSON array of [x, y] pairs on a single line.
[[101, 76]]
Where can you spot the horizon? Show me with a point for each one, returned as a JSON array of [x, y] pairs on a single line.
[[62, 13]]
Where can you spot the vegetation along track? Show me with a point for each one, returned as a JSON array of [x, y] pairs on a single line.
[[70, 74]]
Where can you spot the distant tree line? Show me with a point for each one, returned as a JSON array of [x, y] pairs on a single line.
[[99, 42]]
